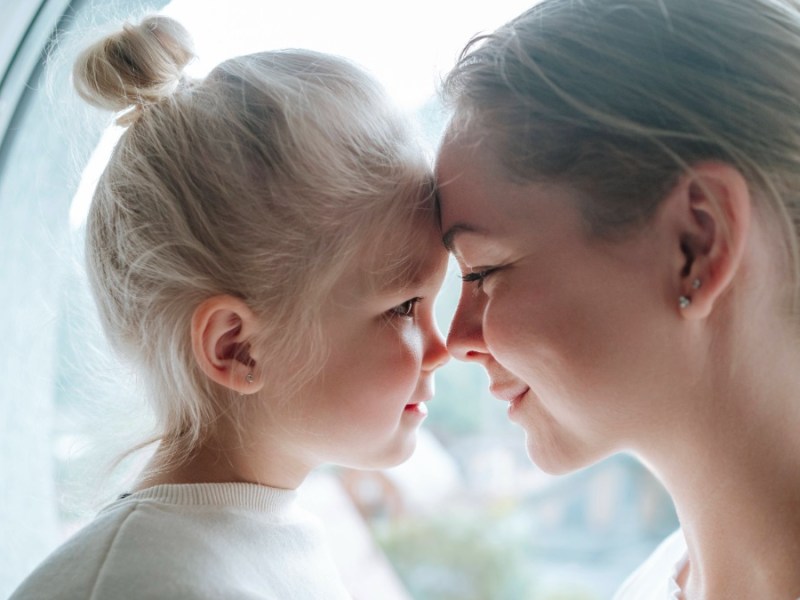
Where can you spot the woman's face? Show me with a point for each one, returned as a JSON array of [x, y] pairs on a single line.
[[573, 331]]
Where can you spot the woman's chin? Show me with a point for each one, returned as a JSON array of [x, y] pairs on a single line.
[[557, 460]]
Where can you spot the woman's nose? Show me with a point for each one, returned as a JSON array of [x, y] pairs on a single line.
[[465, 338]]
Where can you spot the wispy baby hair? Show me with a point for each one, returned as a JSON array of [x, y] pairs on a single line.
[[266, 180]]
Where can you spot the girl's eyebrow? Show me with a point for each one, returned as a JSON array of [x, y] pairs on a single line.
[[411, 275], [409, 272], [448, 239]]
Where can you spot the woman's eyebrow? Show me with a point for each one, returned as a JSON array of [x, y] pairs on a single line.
[[449, 237]]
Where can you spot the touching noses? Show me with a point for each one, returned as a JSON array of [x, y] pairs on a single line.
[[465, 338]]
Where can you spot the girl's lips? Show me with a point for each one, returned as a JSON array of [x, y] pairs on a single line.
[[417, 407]]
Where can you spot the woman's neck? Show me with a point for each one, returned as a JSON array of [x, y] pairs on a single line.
[[733, 469], [743, 535]]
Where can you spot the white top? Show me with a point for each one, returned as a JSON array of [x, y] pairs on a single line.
[[193, 541], [657, 578]]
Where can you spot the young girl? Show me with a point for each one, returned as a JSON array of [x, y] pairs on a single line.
[[263, 246], [620, 186]]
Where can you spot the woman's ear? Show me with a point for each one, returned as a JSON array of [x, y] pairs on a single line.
[[223, 328], [711, 208]]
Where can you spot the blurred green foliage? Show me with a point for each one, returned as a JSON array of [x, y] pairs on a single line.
[[450, 558], [465, 554]]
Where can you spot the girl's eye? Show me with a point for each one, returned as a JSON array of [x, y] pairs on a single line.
[[406, 309]]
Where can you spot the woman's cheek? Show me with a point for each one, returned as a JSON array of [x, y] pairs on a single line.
[[499, 323], [511, 321]]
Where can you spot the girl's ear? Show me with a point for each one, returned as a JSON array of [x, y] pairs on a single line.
[[710, 209], [223, 328]]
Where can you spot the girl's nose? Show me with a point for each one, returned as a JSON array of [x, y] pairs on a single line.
[[436, 353]]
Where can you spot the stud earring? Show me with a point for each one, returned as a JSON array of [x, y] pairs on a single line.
[[684, 301], [249, 378], [696, 284]]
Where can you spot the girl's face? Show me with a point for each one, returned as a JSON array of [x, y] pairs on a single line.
[[570, 329], [364, 407]]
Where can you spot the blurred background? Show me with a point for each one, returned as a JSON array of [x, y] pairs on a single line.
[[467, 518]]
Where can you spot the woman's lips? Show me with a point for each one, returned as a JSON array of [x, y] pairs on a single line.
[[508, 393], [514, 402], [512, 395]]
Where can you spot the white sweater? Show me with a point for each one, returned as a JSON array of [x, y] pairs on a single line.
[[195, 541], [656, 579]]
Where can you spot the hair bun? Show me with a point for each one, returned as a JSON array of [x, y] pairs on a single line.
[[140, 65]]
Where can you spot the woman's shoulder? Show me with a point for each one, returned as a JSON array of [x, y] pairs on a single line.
[[654, 579]]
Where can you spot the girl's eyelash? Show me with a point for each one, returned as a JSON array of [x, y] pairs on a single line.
[[406, 309]]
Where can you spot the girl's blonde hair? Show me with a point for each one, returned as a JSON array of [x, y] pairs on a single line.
[[617, 98], [267, 180]]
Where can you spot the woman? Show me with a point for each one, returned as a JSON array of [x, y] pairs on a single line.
[[620, 186]]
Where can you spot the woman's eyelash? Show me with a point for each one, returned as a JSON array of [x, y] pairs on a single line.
[[476, 275]]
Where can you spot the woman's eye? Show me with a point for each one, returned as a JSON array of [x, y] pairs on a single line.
[[476, 276], [406, 309]]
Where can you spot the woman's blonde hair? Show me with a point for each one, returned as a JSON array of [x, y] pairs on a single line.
[[266, 180], [619, 97]]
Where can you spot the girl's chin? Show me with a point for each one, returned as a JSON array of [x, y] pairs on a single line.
[[397, 454]]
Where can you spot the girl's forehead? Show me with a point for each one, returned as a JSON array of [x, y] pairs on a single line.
[[402, 260], [392, 275]]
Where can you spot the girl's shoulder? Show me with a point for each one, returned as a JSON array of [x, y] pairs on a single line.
[[189, 541], [74, 568], [655, 578]]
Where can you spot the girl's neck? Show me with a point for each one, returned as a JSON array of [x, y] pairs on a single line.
[[216, 462]]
